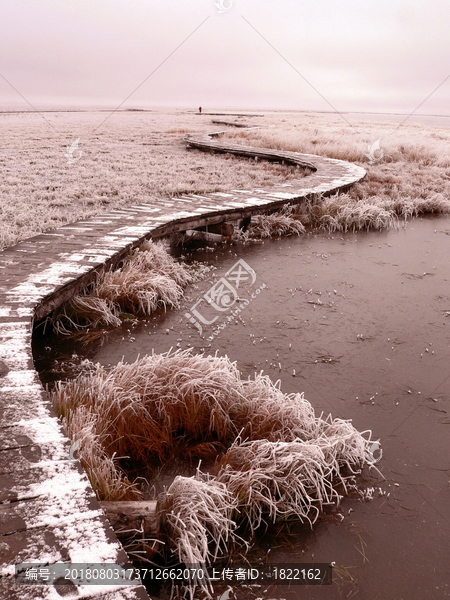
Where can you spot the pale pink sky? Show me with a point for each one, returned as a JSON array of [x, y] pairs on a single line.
[[361, 55]]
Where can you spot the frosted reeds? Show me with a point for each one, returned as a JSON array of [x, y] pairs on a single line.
[[91, 443], [149, 278], [197, 516], [86, 312], [276, 459], [278, 480], [179, 403], [278, 223], [342, 212]]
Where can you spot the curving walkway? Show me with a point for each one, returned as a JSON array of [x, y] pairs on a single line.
[[48, 512]]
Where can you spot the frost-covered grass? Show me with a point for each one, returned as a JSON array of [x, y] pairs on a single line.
[[147, 279], [275, 224], [342, 212], [275, 458], [412, 178], [331, 136], [133, 158], [106, 477], [140, 156]]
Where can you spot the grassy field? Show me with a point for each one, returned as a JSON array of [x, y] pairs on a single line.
[[136, 156]]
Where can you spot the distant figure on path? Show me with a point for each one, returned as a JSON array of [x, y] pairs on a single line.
[[200, 109]]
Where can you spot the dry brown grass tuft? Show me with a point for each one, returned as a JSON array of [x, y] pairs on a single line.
[[160, 404], [342, 212], [149, 278], [181, 402], [91, 445], [278, 223], [86, 312], [269, 414], [197, 516], [138, 290], [277, 459], [155, 257], [431, 204]]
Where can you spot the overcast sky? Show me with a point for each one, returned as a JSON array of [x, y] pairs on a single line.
[[364, 55]]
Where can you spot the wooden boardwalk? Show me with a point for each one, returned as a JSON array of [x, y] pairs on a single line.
[[48, 511]]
